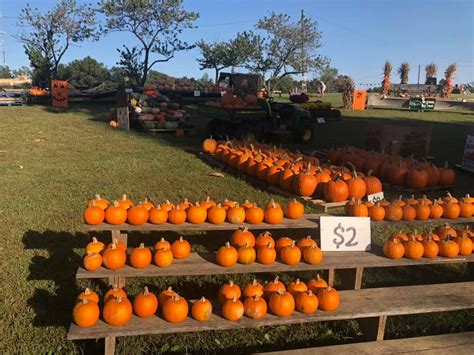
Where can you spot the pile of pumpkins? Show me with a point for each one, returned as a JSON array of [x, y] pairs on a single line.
[[410, 209], [394, 170], [124, 210], [280, 299], [230, 101], [168, 83], [114, 256], [444, 241], [245, 249], [300, 174]]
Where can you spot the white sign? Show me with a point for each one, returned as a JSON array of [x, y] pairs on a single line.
[[197, 93], [374, 198], [320, 120], [122, 117], [344, 233], [468, 157], [128, 90]]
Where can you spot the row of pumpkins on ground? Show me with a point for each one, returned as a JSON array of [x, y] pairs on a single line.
[[445, 241], [124, 210], [305, 176], [243, 248], [231, 101], [410, 209], [281, 300]]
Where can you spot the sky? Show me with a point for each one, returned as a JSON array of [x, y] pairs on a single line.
[[357, 35]]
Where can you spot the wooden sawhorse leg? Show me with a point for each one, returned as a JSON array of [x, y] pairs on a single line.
[[109, 346], [373, 328], [351, 279], [119, 281]]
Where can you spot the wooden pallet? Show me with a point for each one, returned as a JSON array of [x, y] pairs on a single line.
[[369, 305]]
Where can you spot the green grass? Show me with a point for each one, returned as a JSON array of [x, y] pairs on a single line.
[[53, 161]]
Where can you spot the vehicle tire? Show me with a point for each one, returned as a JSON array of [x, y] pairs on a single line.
[[304, 133], [217, 128], [248, 132]]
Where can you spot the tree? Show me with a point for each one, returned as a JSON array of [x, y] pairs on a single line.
[[5, 72], [284, 47], [84, 73], [213, 56], [328, 76], [50, 35], [403, 71], [430, 70], [23, 71], [156, 24]]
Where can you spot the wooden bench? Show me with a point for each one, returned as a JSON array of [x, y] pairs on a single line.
[[459, 344], [370, 306]]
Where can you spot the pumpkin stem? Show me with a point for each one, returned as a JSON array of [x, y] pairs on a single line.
[[203, 299], [145, 291], [281, 292], [231, 283], [142, 245], [114, 246], [227, 244], [124, 197], [169, 289], [181, 238], [276, 280], [94, 240], [87, 291], [254, 283], [293, 244], [256, 298], [97, 197]]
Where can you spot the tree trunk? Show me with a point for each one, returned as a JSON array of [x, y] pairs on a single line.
[[145, 66], [217, 75]]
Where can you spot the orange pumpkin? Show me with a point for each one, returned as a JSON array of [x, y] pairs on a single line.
[[294, 209], [447, 176], [86, 313], [181, 248], [114, 258], [273, 214], [114, 292], [466, 210], [254, 214], [147, 204], [255, 307], [316, 284], [89, 295], [448, 248], [162, 244], [137, 215], [451, 210], [253, 289], [413, 249], [436, 210], [409, 212], [165, 295], [125, 202], [246, 255], [291, 254], [336, 190], [140, 257], [266, 254], [296, 287], [145, 304], [306, 242], [175, 310], [444, 231], [356, 185], [94, 246], [393, 249], [465, 245], [377, 212], [236, 215], [209, 146], [416, 178], [216, 214], [227, 255], [117, 311], [93, 214], [177, 215], [99, 202], [264, 239], [305, 184], [92, 261], [228, 291], [115, 214], [201, 309], [393, 213], [242, 237], [282, 243], [312, 255], [430, 248], [163, 257], [158, 215], [196, 214], [423, 211], [373, 184], [273, 287], [167, 206], [306, 302], [233, 309], [328, 299], [207, 203], [282, 303]]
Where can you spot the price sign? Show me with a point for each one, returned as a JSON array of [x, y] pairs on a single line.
[[123, 118], [345, 233], [129, 90], [374, 198], [320, 120], [197, 93]]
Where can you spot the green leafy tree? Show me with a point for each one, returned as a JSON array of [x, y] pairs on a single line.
[[23, 71], [49, 35], [156, 25], [5, 72], [213, 56], [84, 73], [328, 76]]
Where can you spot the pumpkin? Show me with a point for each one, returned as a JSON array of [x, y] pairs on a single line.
[[201, 309], [312, 255], [266, 254], [140, 257], [282, 243], [373, 184], [162, 244], [430, 248], [209, 145], [227, 255], [233, 309], [306, 242], [93, 214], [400, 236], [236, 214], [433, 174], [296, 287], [465, 245], [246, 255], [175, 310], [114, 258], [137, 215], [242, 237], [336, 190], [228, 291], [416, 178], [92, 261], [119, 245], [282, 303], [431, 235], [393, 249], [466, 210], [114, 292], [181, 248], [255, 307], [425, 200], [247, 204], [468, 199], [86, 313], [89, 295], [393, 213], [147, 204], [117, 311], [413, 249], [423, 211], [294, 209], [158, 215], [163, 257], [323, 177], [451, 210], [207, 203], [177, 215], [400, 202], [286, 178], [409, 212], [316, 284], [229, 204], [272, 174], [411, 201], [253, 289], [305, 183], [145, 304], [94, 246], [328, 299], [185, 204], [99, 202], [165, 295], [306, 302], [273, 214], [291, 254], [265, 239], [125, 202], [377, 212], [448, 248], [444, 231], [397, 174], [216, 214], [360, 210], [272, 204], [167, 206], [254, 215], [436, 210], [196, 214], [115, 214], [447, 176], [273, 287], [356, 185]]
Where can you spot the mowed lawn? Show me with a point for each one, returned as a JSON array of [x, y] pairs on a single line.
[[52, 161]]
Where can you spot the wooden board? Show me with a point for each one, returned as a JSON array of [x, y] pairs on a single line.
[[458, 343], [354, 305], [408, 190], [205, 264], [287, 224]]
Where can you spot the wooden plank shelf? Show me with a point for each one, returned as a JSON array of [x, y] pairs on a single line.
[[287, 224], [361, 304], [205, 264], [407, 190], [433, 222]]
